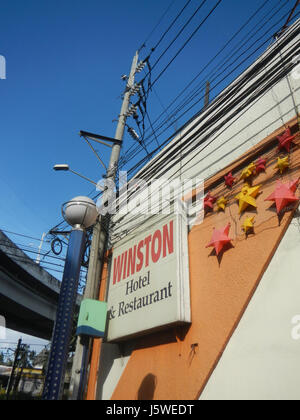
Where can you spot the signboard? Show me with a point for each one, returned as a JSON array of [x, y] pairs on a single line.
[[149, 280]]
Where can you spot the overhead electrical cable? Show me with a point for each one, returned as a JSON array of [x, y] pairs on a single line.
[[21, 248], [176, 37], [220, 51], [264, 82], [185, 44], [221, 67], [237, 87], [152, 153], [154, 129], [268, 83], [170, 26], [157, 25], [237, 48], [214, 86], [19, 234]]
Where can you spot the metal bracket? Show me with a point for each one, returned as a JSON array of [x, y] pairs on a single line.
[[98, 138]]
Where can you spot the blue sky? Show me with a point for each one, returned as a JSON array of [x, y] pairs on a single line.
[[64, 62]]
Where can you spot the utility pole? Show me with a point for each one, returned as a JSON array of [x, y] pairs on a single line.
[[83, 345], [38, 258]]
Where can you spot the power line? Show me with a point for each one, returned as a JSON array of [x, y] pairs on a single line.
[[30, 251], [262, 84], [29, 261], [224, 77], [237, 87], [156, 26], [19, 234], [220, 66], [177, 36], [289, 17], [186, 42], [153, 130], [152, 125], [170, 26], [237, 49]]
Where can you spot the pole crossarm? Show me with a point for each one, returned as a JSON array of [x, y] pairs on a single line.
[[99, 137]]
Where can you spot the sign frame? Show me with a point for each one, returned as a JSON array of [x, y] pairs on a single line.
[[158, 296]]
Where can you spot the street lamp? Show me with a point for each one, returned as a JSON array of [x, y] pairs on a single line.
[[65, 167], [80, 213]]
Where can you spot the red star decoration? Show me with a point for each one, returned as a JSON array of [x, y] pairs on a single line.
[[229, 180], [284, 194], [209, 201], [219, 239], [285, 140], [260, 165], [294, 184]]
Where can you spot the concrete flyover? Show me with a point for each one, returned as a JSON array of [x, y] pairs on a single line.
[[28, 293]]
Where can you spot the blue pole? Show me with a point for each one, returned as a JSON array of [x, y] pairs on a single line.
[[53, 387]]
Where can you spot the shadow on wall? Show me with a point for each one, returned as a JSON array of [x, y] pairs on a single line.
[[147, 388]]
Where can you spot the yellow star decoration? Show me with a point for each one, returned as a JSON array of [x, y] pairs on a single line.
[[247, 197], [282, 164], [248, 224], [248, 171], [221, 203]]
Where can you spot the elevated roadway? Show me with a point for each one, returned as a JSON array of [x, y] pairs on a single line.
[[28, 293]]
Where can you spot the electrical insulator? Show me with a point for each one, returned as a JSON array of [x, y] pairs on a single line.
[[140, 66], [132, 110], [135, 89], [133, 133]]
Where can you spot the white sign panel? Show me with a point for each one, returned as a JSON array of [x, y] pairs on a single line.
[[149, 281]]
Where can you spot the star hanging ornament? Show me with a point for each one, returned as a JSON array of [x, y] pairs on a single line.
[[284, 194], [221, 203], [219, 239], [229, 180], [260, 165], [209, 201], [285, 140], [282, 164], [248, 224], [247, 172], [247, 197]]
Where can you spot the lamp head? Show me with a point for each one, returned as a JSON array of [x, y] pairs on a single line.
[[63, 167], [80, 212]]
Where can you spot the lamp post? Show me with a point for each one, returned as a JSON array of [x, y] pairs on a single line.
[[80, 213]]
